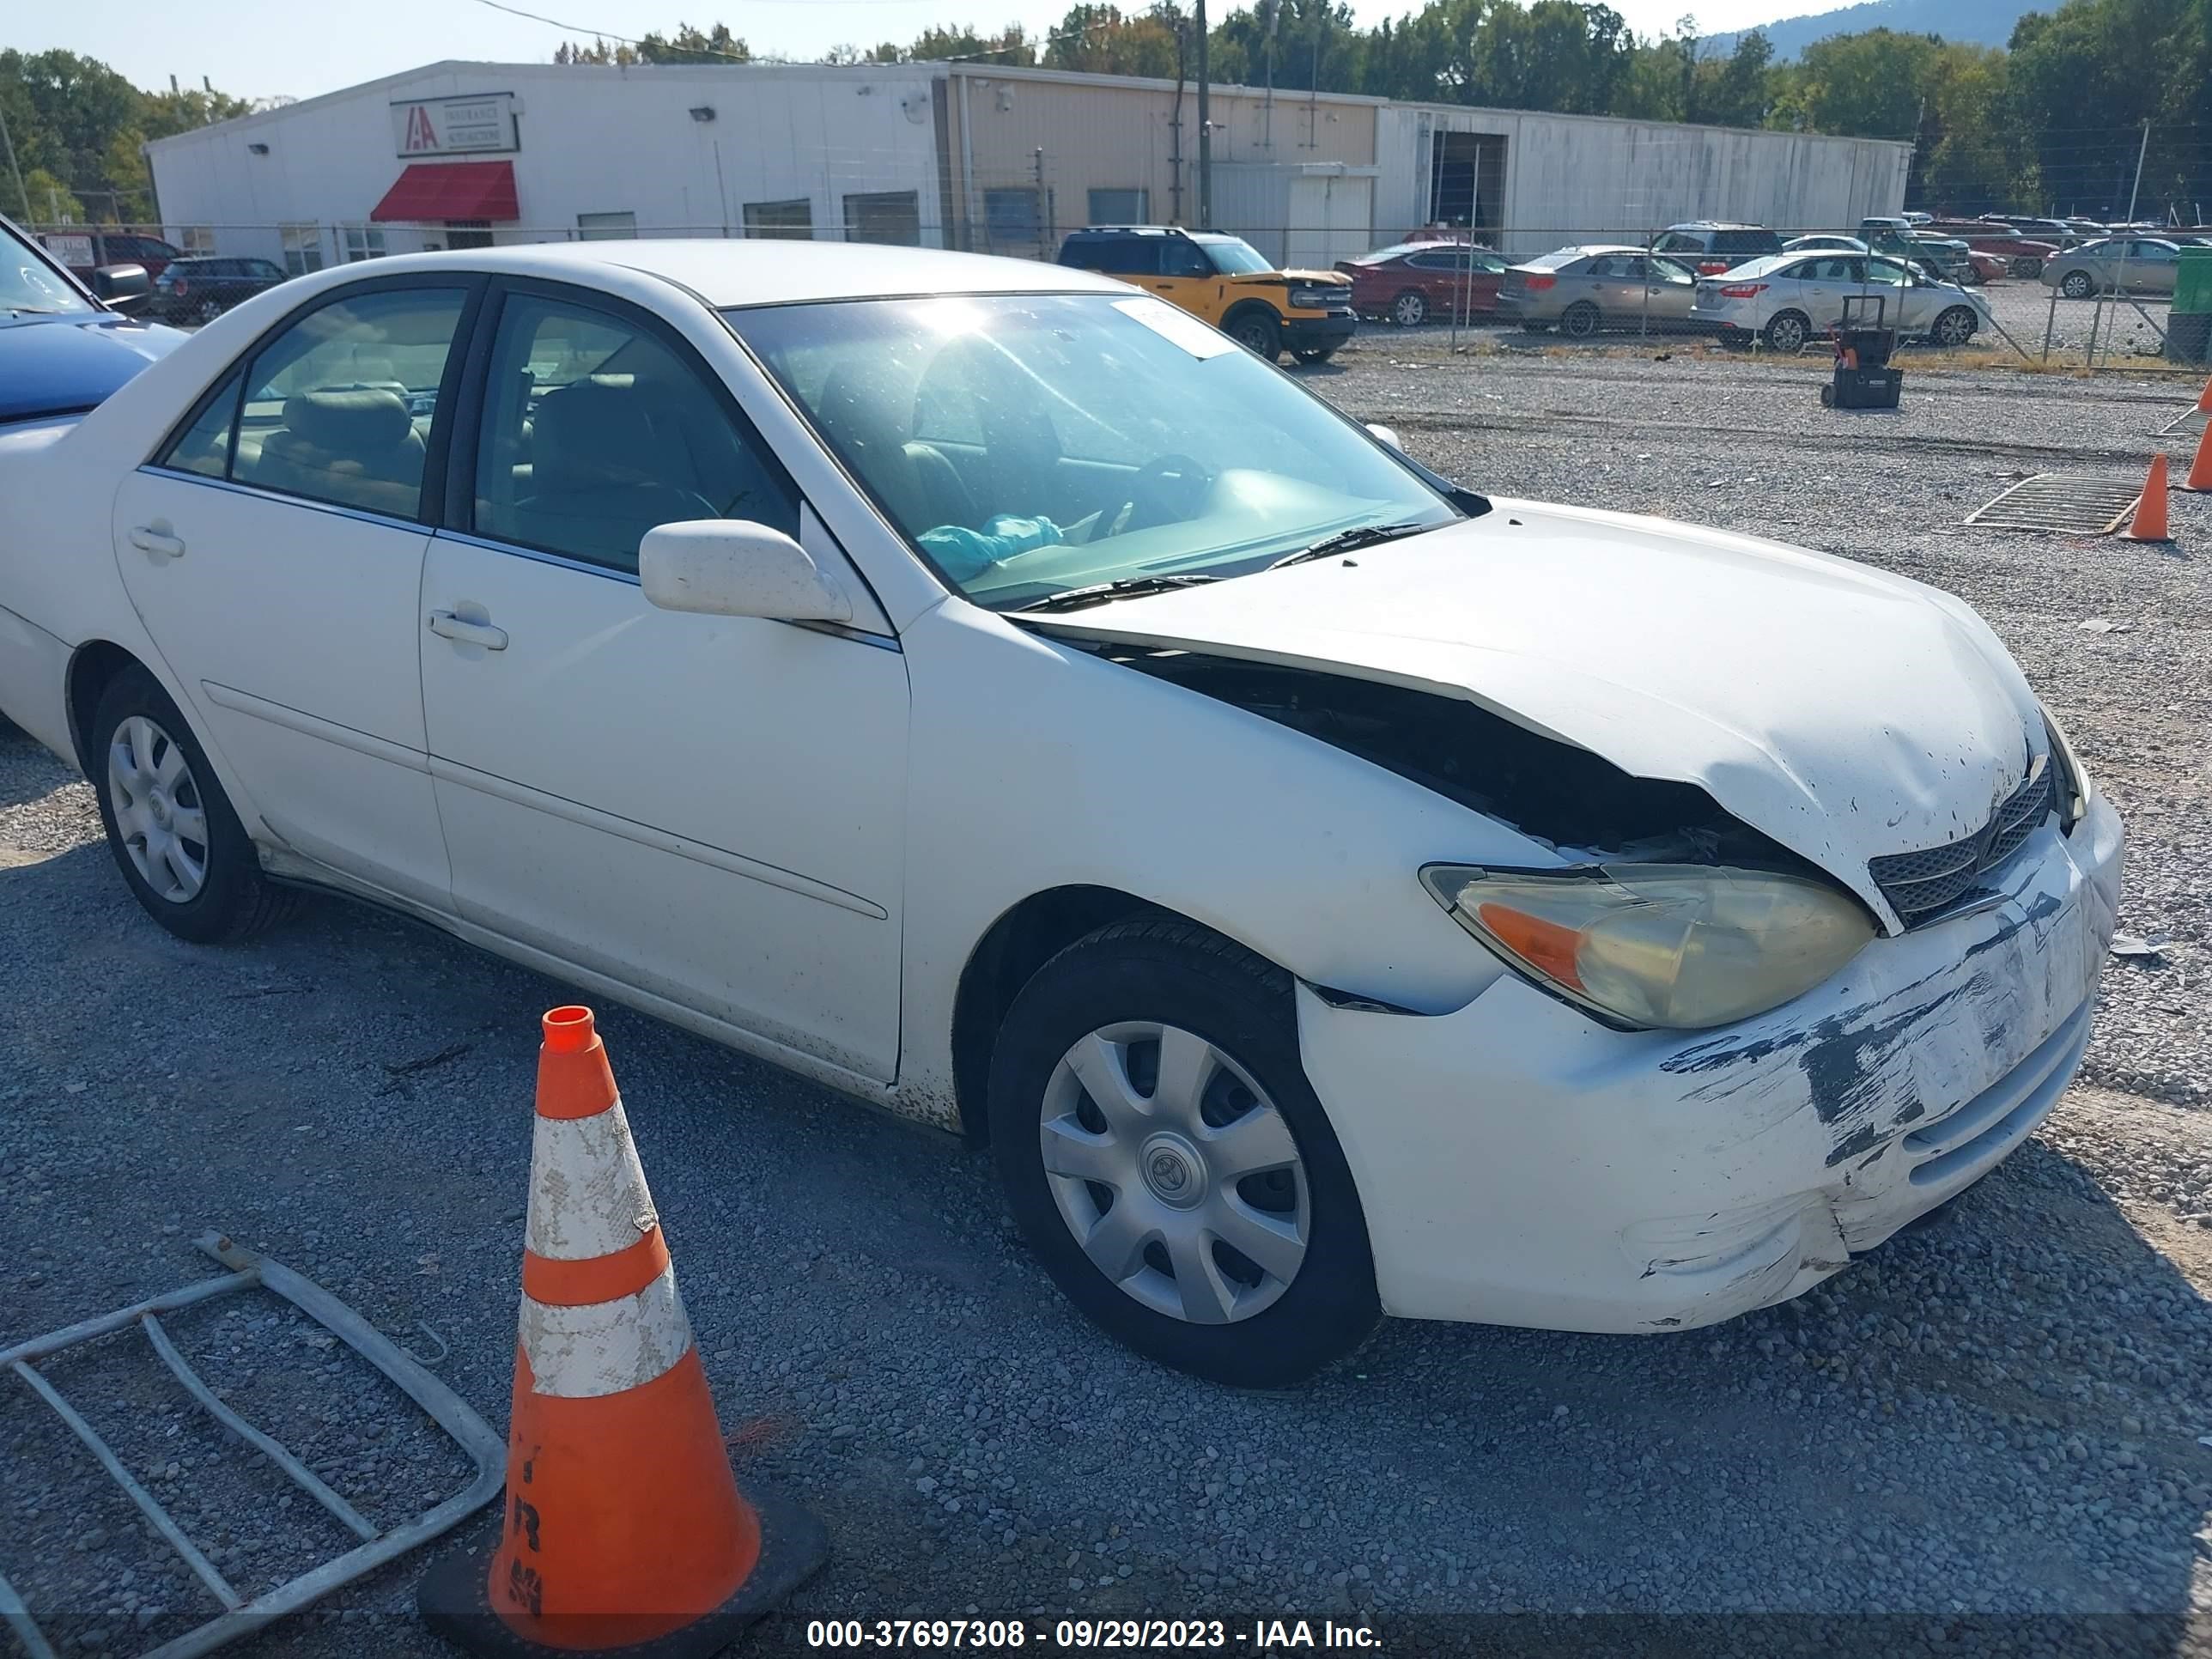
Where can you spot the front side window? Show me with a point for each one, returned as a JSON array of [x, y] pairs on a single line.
[[338, 405], [1029, 444], [595, 431], [1885, 273], [1179, 257]]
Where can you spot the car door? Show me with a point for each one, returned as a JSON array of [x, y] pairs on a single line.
[[1818, 287], [708, 809], [1904, 299], [2153, 267], [1187, 278], [273, 548]]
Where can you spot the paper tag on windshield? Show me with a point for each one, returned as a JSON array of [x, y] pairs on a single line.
[[1179, 327]]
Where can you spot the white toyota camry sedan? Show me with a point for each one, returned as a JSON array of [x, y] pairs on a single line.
[[988, 690]]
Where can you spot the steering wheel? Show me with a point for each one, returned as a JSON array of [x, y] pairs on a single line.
[[1164, 489]]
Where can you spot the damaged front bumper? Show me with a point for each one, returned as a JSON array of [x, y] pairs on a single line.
[[1521, 1164]]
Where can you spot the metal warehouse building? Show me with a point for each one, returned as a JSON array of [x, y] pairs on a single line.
[[459, 155]]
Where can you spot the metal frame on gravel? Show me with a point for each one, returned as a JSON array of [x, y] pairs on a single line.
[[250, 1272]]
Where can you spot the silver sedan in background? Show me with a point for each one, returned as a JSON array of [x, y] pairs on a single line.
[[2116, 265], [1788, 299], [1584, 290]]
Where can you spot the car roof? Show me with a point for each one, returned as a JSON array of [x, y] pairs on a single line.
[[741, 272]]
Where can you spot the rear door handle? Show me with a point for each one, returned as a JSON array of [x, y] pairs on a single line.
[[159, 542], [446, 626]]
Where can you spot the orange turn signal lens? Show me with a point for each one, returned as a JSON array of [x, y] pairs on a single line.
[[1545, 945]]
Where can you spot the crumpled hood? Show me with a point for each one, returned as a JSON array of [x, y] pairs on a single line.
[[1325, 278], [1843, 711]]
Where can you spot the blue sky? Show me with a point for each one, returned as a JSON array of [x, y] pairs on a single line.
[[256, 48]]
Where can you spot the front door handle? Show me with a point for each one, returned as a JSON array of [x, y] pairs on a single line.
[[157, 542], [448, 626]]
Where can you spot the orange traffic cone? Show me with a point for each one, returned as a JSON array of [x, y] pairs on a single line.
[[2200, 470], [2150, 522], [624, 1526], [2204, 399]]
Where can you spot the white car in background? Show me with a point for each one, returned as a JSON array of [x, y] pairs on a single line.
[[1791, 298], [996, 694]]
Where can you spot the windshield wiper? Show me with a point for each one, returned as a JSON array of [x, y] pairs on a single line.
[[1125, 587], [1343, 541]]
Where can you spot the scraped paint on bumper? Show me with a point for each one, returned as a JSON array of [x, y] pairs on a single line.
[[1541, 1169]]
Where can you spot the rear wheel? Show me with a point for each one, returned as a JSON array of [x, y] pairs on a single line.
[[1258, 333], [183, 853], [207, 311], [1581, 321], [1788, 331], [1169, 1162], [1410, 309], [2077, 285], [2028, 267], [1955, 326]]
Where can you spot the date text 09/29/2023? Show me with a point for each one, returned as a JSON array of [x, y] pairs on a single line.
[[988, 1635]]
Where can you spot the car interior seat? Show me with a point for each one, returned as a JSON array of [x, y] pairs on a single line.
[[599, 475], [358, 448], [915, 481]]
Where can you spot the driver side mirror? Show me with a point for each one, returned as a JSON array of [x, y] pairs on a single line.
[[120, 284], [1386, 434], [736, 567]]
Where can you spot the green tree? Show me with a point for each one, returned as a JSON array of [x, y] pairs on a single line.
[[47, 199], [1107, 40], [693, 45]]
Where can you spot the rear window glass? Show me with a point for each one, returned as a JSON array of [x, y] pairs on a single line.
[[1557, 260], [1747, 241], [1117, 256]]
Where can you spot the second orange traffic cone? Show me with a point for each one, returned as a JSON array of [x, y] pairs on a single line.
[[624, 1526], [2204, 399], [2200, 470], [2148, 524]]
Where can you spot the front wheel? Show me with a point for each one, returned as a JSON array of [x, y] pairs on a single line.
[[1257, 332], [1311, 355], [1581, 320], [183, 853], [1789, 331], [1169, 1162], [1955, 326]]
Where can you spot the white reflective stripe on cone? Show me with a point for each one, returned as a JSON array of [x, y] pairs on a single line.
[[587, 1194], [606, 1348]]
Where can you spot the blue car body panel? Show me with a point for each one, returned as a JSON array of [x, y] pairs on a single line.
[[66, 365]]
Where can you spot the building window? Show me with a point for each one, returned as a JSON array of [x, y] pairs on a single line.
[[1121, 207], [606, 227], [468, 233], [303, 248], [793, 221], [1013, 221], [889, 216], [363, 242], [197, 239]]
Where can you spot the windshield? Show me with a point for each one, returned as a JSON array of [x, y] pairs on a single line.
[[1030, 443], [1234, 258], [27, 283]]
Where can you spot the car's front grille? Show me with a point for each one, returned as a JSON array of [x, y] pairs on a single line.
[[1921, 885]]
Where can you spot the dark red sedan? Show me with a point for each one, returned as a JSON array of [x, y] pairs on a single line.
[[1409, 283]]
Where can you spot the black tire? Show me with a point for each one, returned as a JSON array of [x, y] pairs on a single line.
[[1258, 332], [233, 900], [2028, 267], [1410, 309], [2077, 285], [207, 311], [1178, 973], [1311, 355], [1788, 331], [1581, 321], [1955, 327]]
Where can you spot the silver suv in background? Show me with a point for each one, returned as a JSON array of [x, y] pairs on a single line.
[[1709, 246]]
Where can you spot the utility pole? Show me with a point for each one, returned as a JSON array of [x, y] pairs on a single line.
[[2142, 150], [1204, 129], [9, 144]]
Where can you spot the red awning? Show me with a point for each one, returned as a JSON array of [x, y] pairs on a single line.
[[451, 190]]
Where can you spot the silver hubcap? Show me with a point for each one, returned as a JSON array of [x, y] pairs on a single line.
[[1581, 320], [1952, 328], [159, 817], [1174, 1172], [1410, 310], [1789, 335]]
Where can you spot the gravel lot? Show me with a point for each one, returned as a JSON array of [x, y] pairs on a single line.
[[1993, 1422]]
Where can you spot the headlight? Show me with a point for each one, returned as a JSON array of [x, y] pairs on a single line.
[[1675, 945], [1317, 299], [2074, 785]]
